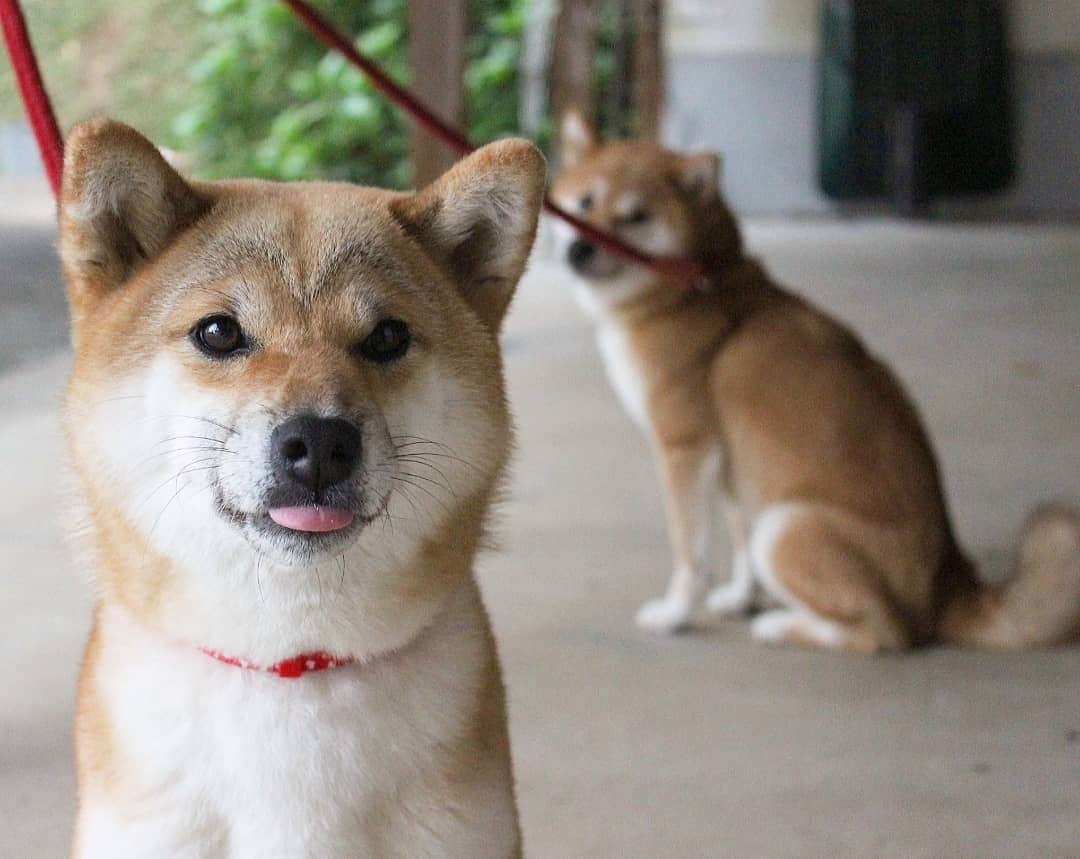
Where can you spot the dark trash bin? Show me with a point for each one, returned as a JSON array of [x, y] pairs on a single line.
[[914, 100]]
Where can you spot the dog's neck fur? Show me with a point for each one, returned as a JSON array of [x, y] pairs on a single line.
[[737, 286]]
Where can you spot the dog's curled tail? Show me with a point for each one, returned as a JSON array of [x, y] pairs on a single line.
[[1040, 605]]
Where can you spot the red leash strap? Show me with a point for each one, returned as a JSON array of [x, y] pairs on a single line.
[[34, 98], [670, 265], [330, 37], [325, 33]]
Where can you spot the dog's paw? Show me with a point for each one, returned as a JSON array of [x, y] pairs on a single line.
[[787, 626], [664, 615], [729, 599], [773, 627]]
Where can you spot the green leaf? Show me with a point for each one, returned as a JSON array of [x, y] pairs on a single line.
[[380, 40]]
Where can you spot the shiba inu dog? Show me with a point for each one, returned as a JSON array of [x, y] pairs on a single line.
[[747, 392], [286, 421]]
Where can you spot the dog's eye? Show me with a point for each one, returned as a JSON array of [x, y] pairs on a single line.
[[637, 216], [585, 202], [219, 336], [387, 341]]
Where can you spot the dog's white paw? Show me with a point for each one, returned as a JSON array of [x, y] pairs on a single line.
[[730, 598], [774, 627], [793, 626], [664, 615]]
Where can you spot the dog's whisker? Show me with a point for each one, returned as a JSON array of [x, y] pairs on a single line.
[[218, 441], [414, 441], [426, 464], [120, 397], [144, 419], [168, 503], [423, 489], [442, 455], [407, 496], [230, 430], [172, 477], [258, 579], [428, 480], [163, 453]]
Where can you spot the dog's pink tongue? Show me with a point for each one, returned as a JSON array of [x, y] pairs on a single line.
[[311, 518]]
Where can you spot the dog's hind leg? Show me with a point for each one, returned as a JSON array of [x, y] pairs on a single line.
[[830, 588], [691, 486]]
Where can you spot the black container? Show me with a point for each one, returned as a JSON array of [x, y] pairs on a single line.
[[914, 100]]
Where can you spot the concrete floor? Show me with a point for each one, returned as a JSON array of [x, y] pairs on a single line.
[[706, 744]]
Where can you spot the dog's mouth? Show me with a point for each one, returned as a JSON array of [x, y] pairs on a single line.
[[598, 265], [601, 275], [313, 519], [302, 525]]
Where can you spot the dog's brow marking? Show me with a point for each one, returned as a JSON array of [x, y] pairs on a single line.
[[229, 255], [230, 303], [343, 257]]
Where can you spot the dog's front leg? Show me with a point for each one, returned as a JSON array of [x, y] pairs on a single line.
[[736, 595], [690, 476]]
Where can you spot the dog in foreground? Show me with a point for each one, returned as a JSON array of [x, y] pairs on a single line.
[[747, 392], [286, 421]]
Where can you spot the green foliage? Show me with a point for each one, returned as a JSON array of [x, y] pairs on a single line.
[[268, 100], [116, 57], [493, 57]]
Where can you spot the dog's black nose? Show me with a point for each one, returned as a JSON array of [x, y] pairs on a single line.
[[580, 252], [315, 452]]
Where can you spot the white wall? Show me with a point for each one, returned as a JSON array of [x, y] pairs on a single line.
[[790, 27], [726, 27], [1046, 26]]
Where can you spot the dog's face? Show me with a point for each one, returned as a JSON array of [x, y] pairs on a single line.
[[644, 194], [290, 372]]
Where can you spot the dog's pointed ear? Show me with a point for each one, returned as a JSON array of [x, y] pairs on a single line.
[[576, 137], [121, 204], [478, 221], [699, 174]]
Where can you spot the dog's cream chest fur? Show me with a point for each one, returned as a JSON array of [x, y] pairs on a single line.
[[622, 370], [331, 764], [614, 346]]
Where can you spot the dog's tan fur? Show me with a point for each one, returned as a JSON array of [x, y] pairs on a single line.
[[145, 255], [832, 493]]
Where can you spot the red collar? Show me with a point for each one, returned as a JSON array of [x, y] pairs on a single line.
[[294, 666]]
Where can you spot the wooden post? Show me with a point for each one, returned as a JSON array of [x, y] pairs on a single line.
[[535, 56], [437, 33], [573, 82], [648, 68], [618, 103]]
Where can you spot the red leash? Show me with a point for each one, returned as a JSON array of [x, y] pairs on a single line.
[[325, 33], [32, 90]]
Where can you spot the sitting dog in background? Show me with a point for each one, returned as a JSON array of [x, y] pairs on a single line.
[[831, 490], [286, 421]]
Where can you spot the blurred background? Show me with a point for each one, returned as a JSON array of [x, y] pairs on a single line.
[[909, 165], [813, 103]]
